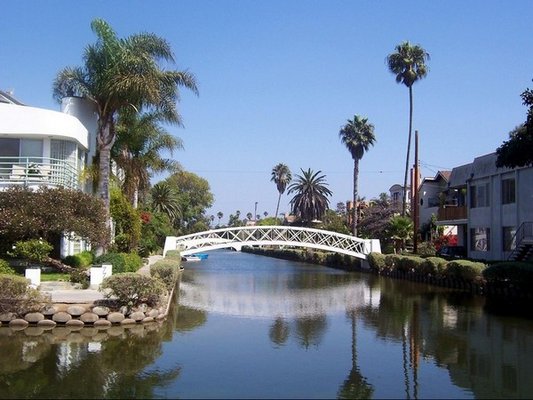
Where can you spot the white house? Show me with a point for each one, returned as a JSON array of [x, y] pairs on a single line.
[[492, 209], [45, 147]]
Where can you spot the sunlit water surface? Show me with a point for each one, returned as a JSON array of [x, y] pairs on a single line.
[[247, 326]]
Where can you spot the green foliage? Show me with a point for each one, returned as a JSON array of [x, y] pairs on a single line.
[[16, 296], [426, 249], [34, 250], [268, 221], [5, 268], [47, 213], [173, 255], [511, 271], [127, 222], [154, 231], [83, 259], [409, 263], [167, 271], [311, 192], [80, 275], [434, 266], [334, 222], [122, 262], [131, 289], [465, 270], [376, 261]]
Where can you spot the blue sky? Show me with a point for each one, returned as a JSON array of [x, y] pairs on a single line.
[[278, 79]]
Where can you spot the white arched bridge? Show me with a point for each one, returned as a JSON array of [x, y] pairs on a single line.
[[238, 237]]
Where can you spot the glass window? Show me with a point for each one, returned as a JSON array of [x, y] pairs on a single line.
[[9, 147], [508, 191], [480, 196], [480, 239], [509, 239], [31, 148]]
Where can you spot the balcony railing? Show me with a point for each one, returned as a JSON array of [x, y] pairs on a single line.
[[36, 171], [450, 212]]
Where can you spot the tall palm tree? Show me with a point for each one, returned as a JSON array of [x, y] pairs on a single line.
[[121, 73], [281, 176], [311, 199], [408, 63], [137, 151], [220, 214], [357, 135]]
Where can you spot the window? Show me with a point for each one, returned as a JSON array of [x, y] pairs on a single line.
[[508, 191], [480, 239], [479, 196], [508, 236]]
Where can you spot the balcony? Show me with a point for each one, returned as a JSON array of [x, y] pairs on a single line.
[[37, 171], [449, 212]]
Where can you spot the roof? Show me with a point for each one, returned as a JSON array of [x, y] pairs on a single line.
[[9, 99]]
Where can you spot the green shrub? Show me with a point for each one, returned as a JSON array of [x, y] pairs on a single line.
[[83, 259], [167, 271], [115, 259], [131, 289], [434, 266], [410, 263], [464, 269], [133, 262], [510, 271], [17, 297], [391, 261], [80, 275], [426, 249], [5, 268], [173, 255], [33, 250], [376, 261]]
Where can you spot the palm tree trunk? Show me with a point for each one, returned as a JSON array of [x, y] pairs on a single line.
[[277, 207], [354, 205], [404, 200]]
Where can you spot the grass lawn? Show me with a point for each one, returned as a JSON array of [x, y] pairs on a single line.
[[54, 277]]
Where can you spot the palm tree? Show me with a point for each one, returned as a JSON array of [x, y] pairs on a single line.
[[123, 73], [408, 63], [311, 199], [357, 135], [220, 214], [164, 199], [137, 151], [400, 230], [281, 176]]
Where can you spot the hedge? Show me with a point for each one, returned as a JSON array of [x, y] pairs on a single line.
[[5, 268], [122, 262], [83, 259], [434, 266], [510, 271], [132, 289], [167, 271], [464, 269]]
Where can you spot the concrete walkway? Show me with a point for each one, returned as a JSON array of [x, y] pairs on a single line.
[[64, 293]]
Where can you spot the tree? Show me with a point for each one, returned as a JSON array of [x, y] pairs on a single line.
[[408, 63], [400, 230], [310, 201], [137, 151], [518, 150], [249, 216], [165, 200], [220, 214], [194, 197], [123, 73], [357, 135], [281, 176]]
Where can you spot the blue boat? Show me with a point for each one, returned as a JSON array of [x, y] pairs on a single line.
[[202, 256]]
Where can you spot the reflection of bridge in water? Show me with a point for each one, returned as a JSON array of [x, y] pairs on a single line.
[[284, 302], [272, 236]]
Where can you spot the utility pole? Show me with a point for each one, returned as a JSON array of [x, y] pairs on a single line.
[[416, 201]]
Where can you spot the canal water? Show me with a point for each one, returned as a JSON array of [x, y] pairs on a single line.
[[247, 326]]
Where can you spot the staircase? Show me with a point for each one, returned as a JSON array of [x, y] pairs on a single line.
[[524, 243]]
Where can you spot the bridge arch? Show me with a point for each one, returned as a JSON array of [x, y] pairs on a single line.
[[237, 237]]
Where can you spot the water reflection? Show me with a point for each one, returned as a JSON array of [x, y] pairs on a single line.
[[307, 331]]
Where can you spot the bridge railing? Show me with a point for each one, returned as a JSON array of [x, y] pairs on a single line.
[[272, 235]]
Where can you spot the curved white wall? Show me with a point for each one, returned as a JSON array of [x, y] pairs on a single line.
[[21, 121]]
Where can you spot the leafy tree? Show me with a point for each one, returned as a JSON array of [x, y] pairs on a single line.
[[408, 63], [220, 214], [281, 176], [154, 231], [127, 222], [47, 213], [518, 150], [137, 151], [234, 219], [334, 222], [375, 218], [194, 197], [310, 201], [357, 135], [165, 200], [123, 73]]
